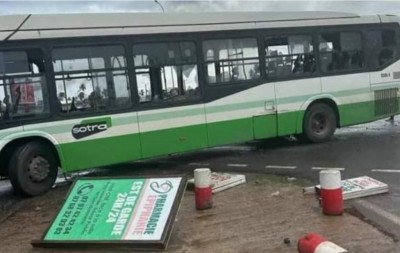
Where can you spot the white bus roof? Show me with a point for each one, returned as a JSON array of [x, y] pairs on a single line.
[[22, 27]]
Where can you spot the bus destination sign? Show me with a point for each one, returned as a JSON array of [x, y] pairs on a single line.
[[130, 212]]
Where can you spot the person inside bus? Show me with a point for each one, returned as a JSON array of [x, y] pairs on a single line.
[[335, 62], [235, 74], [287, 66], [272, 63], [356, 60], [325, 56], [297, 68], [73, 107], [345, 60], [309, 63], [92, 100]]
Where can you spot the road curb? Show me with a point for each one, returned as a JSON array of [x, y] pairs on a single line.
[[387, 221]]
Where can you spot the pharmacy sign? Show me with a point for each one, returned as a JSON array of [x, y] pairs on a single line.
[[132, 212]]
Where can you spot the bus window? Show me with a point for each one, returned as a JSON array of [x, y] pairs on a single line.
[[166, 71], [289, 55], [381, 47], [340, 51], [23, 91], [231, 60], [91, 78]]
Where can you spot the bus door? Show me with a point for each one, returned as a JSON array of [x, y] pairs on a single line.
[[265, 121], [171, 118], [240, 108], [290, 61], [290, 96]]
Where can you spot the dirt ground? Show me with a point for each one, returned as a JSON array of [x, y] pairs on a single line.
[[247, 218]]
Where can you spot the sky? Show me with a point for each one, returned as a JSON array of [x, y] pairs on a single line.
[[57, 6]]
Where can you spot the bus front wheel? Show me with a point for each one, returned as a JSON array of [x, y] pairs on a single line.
[[319, 123], [33, 169]]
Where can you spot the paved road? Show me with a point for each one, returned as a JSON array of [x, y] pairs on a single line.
[[371, 149]]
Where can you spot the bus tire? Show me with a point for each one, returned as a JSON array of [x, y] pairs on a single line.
[[319, 123], [33, 169]]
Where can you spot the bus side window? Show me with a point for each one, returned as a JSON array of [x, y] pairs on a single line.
[[231, 60], [23, 89], [289, 55], [340, 51], [90, 79], [381, 45], [166, 71]]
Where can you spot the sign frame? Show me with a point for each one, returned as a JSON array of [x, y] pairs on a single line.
[[121, 244]]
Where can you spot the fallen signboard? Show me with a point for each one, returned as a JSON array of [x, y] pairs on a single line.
[[135, 213], [224, 181], [359, 187]]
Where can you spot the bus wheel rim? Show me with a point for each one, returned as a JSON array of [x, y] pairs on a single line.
[[38, 169], [319, 123]]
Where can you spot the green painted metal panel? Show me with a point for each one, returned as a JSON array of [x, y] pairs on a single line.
[[99, 152], [174, 140], [108, 120], [287, 123], [265, 126], [299, 123], [356, 113], [232, 131]]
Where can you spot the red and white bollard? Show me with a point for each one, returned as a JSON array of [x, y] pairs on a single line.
[[202, 190], [314, 243], [331, 192]]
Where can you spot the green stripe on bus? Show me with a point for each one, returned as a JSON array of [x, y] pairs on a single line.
[[170, 115]]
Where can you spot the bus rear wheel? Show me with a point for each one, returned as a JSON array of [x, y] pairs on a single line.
[[319, 123], [33, 169]]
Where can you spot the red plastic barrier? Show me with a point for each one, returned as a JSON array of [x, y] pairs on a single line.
[[331, 192], [315, 243], [202, 190]]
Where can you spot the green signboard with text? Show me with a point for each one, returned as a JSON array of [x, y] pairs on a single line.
[[129, 212]]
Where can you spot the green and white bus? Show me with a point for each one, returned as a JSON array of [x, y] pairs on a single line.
[[84, 90]]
